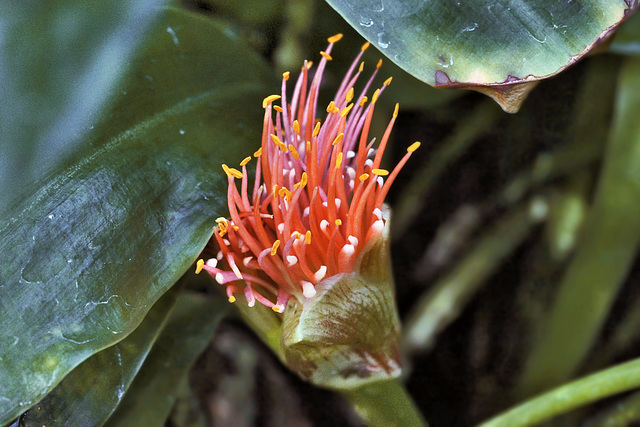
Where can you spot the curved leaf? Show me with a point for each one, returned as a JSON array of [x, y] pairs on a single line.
[[91, 392], [154, 391], [59, 62], [484, 42], [89, 253]]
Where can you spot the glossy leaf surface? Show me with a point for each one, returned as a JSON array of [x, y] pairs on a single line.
[[483, 42], [59, 62], [188, 331], [91, 392], [91, 251]]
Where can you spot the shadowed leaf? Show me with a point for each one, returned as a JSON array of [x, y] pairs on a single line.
[[91, 251]]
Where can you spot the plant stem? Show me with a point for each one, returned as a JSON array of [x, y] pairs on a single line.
[[385, 404], [605, 253], [578, 393], [443, 303]]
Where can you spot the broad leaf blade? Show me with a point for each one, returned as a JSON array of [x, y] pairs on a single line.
[[483, 42], [154, 391], [59, 62], [89, 253], [91, 392]]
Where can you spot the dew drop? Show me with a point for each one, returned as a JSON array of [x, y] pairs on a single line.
[[365, 22], [383, 41]]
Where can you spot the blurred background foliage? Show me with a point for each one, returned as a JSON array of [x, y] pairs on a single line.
[[514, 236]]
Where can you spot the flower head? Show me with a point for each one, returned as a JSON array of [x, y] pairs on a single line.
[[316, 203]]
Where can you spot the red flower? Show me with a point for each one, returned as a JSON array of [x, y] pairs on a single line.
[[316, 203]]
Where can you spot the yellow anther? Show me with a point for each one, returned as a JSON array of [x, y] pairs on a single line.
[[374, 98], [335, 38], [284, 192], [232, 299], [222, 226], [361, 68], [309, 64], [363, 101], [199, 266], [278, 142], [379, 64], [331, 107], [274, 248], [346, 110], [338, 222], [245, 161], [285, 76], [339, 161], [325, 55], [308, 146], [364, 177], [277, 108], [307, 237], [388, 81], [258, 153], [349, 96], [395, 111], [275, 191], [303, 180], [269, 99], [365, 46], [316, 130], [232, 172], [222, 230], [235, 227], [296, 234], [380, 172], [296, 127], [294, 152], [338, 139], [413, 147]]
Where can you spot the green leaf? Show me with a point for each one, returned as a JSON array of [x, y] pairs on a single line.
[[89, 253], [605, 254], [91, 392], [149, 400], [59, 62], [483, 42]]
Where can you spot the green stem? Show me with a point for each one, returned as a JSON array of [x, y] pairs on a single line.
[[605, 253], [620, 378], [265, 323], [442, 304], [385, 404]]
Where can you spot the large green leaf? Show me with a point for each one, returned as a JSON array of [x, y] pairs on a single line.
[[59, 62], [91, 392], [89, 253], [149, 400], [483, 42]]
